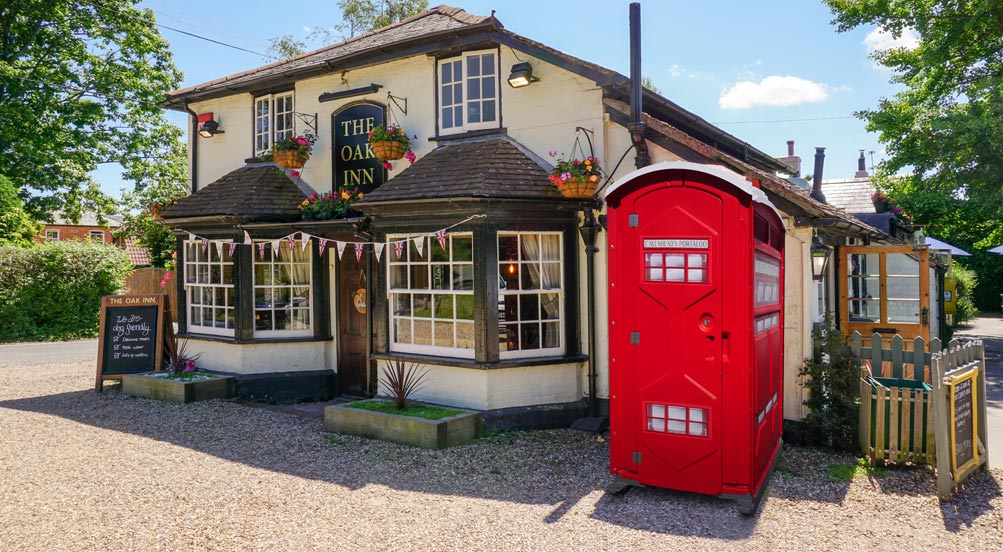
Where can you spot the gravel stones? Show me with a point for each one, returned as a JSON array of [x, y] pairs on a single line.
[[87, 471]]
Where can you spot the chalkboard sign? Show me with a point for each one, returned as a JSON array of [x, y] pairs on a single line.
[[132, 336], [964, 452]]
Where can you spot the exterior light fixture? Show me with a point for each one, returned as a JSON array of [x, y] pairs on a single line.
[[819, 258], [522, 75], [208, 127]]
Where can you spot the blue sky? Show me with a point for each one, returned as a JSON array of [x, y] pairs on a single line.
[[766, 71]]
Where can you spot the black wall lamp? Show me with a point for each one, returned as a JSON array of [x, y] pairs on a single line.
[[522, 75], [208, 127]]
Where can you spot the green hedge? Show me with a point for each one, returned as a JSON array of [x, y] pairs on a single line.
[[54, 291]]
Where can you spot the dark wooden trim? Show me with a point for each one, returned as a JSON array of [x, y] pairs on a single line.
[[179, 282], [485, 248], [243, 292], [238, 341], [350, 93], [572, 328], [321, 284], [478, 365]]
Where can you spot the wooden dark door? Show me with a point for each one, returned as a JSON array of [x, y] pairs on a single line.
[[352, 326]]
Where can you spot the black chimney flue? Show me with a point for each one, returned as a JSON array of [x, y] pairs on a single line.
[[816, 187], [636, 126], [861, 167]]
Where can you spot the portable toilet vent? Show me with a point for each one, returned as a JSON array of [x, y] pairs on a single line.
[[696, 303]]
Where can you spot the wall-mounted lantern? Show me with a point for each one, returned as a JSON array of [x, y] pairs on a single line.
[[208, 127], [521, 75], [819, 258]]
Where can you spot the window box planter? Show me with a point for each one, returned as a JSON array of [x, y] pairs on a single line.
[[156, 386], [401, 428]]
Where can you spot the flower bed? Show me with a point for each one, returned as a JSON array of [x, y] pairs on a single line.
[[184, 387]]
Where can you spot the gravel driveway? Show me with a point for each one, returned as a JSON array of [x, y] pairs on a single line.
[[83, 471]]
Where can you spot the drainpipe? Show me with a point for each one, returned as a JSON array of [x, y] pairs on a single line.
[[195, 148], [590, 232], [636, 127]]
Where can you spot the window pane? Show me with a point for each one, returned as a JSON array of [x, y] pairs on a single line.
[[675, 259], [402, 304], [474, 112], [463, 277], [465, 335], [423, 332], [677, 413], [458, 115], [447, 95], [902, 288], [698, 275], [510, 311], [655, 274], [488, 88], [443, 306], [462, 249], [529, 336], [675, 275], [403, 331], [529, 307], [510, 276], [301, 297], [487, 64], [419, 276], [903, 311], [550, 306], [301, 319], [464, 307], [196, 316], [550, 247], [447, 72], [422, 305], [444, 334], [508, 248], [473, 90], [551, 276], [508, 337], [901, 264], [698, 260], [473, 66], [447, 118], [398, 276], [551, 335], [531, 276], [441, 276]]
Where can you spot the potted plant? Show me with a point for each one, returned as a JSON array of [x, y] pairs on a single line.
[[293, 152], [330, 205], [882, 203], [390, 143], [575, 177], [181, 382]]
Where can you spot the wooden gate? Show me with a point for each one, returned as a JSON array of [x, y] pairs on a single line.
[[146, 281]]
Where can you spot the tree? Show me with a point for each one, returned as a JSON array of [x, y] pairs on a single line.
[[650, 84], [17, 228], [79, 86], [946, 126]]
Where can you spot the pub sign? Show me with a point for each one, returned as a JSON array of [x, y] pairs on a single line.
[[355, 166]]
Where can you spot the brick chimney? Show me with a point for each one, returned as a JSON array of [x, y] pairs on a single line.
[[793, 161], [861, 167]]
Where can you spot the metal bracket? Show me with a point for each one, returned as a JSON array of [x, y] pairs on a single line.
[[309, 120], [637, 458], [633, 220], [396, 100], [635, 338]]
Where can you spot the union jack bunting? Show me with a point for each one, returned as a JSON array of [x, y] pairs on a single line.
[[292, 240], [440, 235], [231, 248], [261, 250], [205, 244], [398, 249], [275, 247], [322, 246], [358, 252]]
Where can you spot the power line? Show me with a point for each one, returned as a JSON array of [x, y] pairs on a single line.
[[165, 10], [785, 120]]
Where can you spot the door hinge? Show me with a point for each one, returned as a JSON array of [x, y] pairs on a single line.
[[635, 338], [633, 220], [637, 457]]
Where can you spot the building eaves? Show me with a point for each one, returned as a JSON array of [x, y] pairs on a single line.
[[253, 192]]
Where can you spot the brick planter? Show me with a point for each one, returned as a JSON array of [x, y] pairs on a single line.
[[405, 430], [179, 391]]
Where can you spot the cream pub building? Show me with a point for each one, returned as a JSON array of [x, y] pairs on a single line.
[[471, 262]]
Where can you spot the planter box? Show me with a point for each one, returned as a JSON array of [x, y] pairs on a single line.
[[405, 430], [180, 391]]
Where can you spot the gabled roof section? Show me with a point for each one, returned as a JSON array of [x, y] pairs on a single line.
[[851, 194], [423, 27], [138, 255], [492, 167], [260, 192], [87, 218]]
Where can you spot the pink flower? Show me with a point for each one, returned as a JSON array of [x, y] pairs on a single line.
[[565, 176], [410, 156], [167, 276], [552, 153], [296, 174], [189, 365], [415, 137], [163, 283], [313, 195], [388, 166], [302, 141]]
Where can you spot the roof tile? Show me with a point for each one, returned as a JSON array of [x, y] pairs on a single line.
[[259, 191]]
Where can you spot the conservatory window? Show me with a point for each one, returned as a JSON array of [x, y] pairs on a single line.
[[530, 294], [283, 284], [208, 289]]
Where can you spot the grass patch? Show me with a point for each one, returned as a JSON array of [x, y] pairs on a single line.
[[416, 410], [188, 376], [844, 472]]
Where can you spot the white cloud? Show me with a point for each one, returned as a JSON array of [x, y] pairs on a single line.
[[880, 39], [677, 72], [773, 91]]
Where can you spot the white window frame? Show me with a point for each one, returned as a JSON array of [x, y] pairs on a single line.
[[284, 258], [96, 234], [272, 120], [464, 84], [520, 265], [407, 262], [195, 282], [52, 235]]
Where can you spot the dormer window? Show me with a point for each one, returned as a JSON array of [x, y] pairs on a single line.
[[468, 92], [273, 120]]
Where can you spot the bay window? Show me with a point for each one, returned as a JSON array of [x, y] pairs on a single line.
[[208, 289], [530, 294], [283, 284]]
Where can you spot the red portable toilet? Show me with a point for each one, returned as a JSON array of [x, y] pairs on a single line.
[[696, 294]]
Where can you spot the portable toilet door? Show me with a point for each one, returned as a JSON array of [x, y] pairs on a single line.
[[682, 381]]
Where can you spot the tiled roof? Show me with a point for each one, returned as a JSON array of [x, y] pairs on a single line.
[[489, 167], [87, 218], [851, 194], [139, 255], [440, 19], [258, 192]]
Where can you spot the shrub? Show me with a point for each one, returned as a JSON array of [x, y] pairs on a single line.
[[966, 281], [833, 392], [54, 291]]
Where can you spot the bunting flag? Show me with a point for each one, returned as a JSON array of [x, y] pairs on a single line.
[[379, 251], [398, 249], [247, 238], [276, 245], [261, 250], [322, 245], [341, 248], [358, 252], [205, 244], [232, 247], [219, 248], [292, 240], [440, 235], [419, 244], [192, 237], [305, 239]]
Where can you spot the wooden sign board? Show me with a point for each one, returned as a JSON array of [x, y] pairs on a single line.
[[964, 422], [131, 337]]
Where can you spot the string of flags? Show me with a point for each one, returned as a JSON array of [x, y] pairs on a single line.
[[323, 243]]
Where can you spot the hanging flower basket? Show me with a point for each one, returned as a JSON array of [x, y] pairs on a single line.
[[579, 186], [290, 159], [389, 150]]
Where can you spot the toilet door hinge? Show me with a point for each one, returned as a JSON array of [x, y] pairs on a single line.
[[633, 220], [635, 338], [637, 458]]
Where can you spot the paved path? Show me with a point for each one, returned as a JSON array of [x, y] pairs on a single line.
[[989, 328], [46, 352]]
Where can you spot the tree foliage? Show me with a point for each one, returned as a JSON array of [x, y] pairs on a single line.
[[946, 125], [79, 86], [17, 228], [833, 391]]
